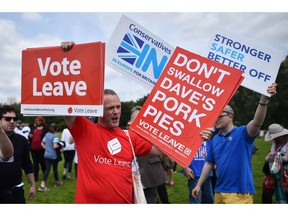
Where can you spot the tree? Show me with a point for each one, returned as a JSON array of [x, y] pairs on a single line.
[[279, 104], [126, 110], [245, 102]]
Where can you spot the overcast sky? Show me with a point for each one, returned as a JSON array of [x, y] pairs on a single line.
[[189, 30]]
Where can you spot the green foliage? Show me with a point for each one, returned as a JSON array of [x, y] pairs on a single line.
[[257, 164], [126, 110], [279, 103], [245, 102], [64, 194]]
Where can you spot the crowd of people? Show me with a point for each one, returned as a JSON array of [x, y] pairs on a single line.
[[276, 182], [228, 144], [105, 156], [18, 144]]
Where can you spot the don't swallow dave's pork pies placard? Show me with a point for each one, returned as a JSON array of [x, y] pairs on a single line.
[[188, 98]]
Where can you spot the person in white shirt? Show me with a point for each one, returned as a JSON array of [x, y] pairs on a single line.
[[25, 129], [69, 153]]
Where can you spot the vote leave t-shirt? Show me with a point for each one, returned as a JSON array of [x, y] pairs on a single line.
[[104, 162]]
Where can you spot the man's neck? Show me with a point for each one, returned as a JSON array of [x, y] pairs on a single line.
[[9, 133], [227, 129]]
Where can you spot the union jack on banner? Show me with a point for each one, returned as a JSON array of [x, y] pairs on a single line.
[[130, 48]]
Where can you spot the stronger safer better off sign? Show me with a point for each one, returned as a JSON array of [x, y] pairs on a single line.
[[259, 63]]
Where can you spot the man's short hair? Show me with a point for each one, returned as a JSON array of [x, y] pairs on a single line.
[[109, 92], [6, 109], [228, 109]]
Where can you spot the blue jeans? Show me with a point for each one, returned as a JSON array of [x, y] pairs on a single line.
[[205, 194]]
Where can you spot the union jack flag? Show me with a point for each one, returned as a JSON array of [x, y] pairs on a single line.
[[130, 48]]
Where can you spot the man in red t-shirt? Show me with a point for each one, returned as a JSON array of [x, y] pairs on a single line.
[[105, 154]]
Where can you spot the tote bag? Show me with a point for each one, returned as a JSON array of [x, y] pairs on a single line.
[[139, 196]]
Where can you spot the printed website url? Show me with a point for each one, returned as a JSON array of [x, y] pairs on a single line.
[[40, 109]]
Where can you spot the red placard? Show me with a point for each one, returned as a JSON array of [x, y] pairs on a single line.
[[69, 82], [188, 97]]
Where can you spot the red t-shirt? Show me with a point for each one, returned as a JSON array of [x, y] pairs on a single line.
[[104, 162], [36, 140]]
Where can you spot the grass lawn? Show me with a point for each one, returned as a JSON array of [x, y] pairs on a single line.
[[177, 194]]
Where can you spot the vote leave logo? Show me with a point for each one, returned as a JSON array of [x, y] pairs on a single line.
[[70, 110]]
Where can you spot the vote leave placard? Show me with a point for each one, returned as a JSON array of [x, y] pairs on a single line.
[[189, 96], [55, 82]]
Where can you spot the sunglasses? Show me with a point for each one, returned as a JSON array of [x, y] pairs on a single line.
[[221, 116], [8, 119]]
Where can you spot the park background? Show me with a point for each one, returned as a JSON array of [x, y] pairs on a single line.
[[178, 194], [244, 103]]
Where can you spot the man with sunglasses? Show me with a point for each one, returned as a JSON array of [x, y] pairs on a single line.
[[11, 184], [231, 151]]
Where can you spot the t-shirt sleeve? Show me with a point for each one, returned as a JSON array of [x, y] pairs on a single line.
[[27, 163], [80, 126], [56, 139], [140, 144], [210, 156]]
